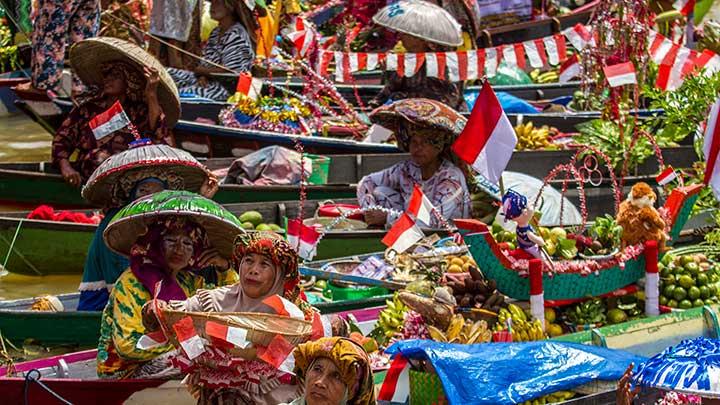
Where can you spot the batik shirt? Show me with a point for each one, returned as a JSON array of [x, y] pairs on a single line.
[[121, 326]]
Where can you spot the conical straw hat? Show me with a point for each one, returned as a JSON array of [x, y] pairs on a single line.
[[87, 56], [421, 19]]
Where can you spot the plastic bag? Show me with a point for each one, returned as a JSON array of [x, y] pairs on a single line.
[[507, 75], [272, 165]]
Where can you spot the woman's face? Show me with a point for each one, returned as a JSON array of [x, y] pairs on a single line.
[[422, 152], [147, 188], [178, 249], [257, 275], [113, 85], [218, 10], [323, 384], [413, 44]]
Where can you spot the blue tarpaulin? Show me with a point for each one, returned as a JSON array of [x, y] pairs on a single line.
[[509, 103], [501, 373]]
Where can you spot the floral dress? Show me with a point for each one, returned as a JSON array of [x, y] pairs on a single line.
[[75, 135], [232, 49], [121, 326], [392, 188], [57, 24]]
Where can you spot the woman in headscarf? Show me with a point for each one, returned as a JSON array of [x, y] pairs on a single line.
[[136, 90], [426, 129], [333, 371], [167, 257], [229, 45], [268, 267]]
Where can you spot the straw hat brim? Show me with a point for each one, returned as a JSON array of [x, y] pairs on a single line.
[[122, 234], [98, 191], [87, 56]]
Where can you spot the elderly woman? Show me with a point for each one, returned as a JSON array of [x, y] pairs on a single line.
[[136, 89], [426, 129], [229, 45], [334, 371], [167, 257], [268, 267]]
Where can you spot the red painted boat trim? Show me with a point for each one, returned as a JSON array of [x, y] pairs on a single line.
[[101, 392], [52, 361]]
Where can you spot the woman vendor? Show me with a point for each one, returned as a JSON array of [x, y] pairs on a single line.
[[123, 178], [268, 267], [426, 129], [229, 45], [180, 232], [125, 74], [333, 371]]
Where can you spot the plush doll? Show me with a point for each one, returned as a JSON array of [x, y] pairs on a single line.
[[515, 208], [639, 218]]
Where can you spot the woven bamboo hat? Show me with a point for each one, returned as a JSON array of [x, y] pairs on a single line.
[[132, 221], [87, 56]]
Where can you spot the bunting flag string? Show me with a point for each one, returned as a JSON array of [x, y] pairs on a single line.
[[675, 61]]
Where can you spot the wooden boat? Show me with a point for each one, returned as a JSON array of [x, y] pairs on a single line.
[[7, 96], [572, 284], [73, 377]]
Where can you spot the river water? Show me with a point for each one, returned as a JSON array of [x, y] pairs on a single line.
[[22, 140]]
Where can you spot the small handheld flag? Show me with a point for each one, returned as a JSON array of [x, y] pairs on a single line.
[[403, 234], [620, 74], [109, 121]]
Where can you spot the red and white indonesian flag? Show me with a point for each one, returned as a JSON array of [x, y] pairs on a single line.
[[620, 74], [231, 334], [248, 85], [302, 37], [283, 307], [420, 206], [666, 176], [684, 6], [151, 340], [109, 121], [396, 386], [711, 149], [191, 343], [303, 238], [488, 139], [570, 69], [403, 234]]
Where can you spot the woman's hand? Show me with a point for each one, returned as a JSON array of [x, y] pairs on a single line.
[[375, 217], [210, 186], [150, 317], [152, 79], [624, 395], [212, 257], [70, 175]]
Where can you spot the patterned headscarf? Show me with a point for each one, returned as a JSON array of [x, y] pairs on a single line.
[[133, 78], [284, 257], [352, 361], [147, 255], [122, 191]]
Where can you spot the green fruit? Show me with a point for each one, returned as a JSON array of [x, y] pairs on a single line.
[[686, 259], [558, 233], [698, 303], [709, 301], [678, 270], [248, 226], [693, 293], [686, 281], [679, 293], [277, 228], [506, 236], [685, 304], [665, 272], [616, 316], [672, 304], [253, 217], [663, 300], [668, 291], [263, 227], [669, 281], [692, 268], [704, 292], [713, 289], [702, 279]]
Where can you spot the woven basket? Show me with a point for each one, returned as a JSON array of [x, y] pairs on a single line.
[[261, 328], [426, 389]]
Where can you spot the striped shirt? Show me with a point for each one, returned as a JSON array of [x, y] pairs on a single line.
[[233, 49]]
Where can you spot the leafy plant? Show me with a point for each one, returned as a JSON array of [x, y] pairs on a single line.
[[606, 231], [605, 135]]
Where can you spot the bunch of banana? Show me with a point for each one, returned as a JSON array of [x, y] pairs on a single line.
[[391, 318], [523, 329], [551, 76], [532, 138], [462, 331], [555, 397]]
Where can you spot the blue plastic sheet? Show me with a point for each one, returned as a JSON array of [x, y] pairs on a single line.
[[692, 366], [509, 103], [501, 373]]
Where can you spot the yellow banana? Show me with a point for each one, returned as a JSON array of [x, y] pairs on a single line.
[[436, 334], [456, 325]]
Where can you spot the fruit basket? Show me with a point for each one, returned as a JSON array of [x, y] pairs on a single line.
[[571, 279]]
